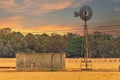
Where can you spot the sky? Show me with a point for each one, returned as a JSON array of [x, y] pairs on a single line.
[[47, 16]]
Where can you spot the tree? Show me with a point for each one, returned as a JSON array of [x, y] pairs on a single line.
[[17, 41], [41, 43], [75, 45], [103, 45], [4, 41], [100, 44], [57, 43], [30, 41]]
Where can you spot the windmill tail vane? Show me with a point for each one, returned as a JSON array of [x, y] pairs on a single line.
[[76, 14]]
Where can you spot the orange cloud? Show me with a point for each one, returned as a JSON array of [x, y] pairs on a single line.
[[16, 23], [4, 4], [63, 29], [60, 29], [12, 20], [37, 7]]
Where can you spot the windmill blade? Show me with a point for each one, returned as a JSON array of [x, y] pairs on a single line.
[[76, 14]]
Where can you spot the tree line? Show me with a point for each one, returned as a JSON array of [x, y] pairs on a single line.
[[100, 44]]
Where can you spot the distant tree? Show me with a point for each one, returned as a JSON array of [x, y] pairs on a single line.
[[57, 43], [17, 41], [75, 45], [41, 43], [30, 41], [103, 45], [100, 44]]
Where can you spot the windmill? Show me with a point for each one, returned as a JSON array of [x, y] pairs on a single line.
[[85, 13]]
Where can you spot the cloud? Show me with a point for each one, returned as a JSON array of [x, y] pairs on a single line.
[[45, 29], [16, 8], [6, 4], [38, 7], [50, 29], [16, 23], [116, 0], [117, 9], [19, 20]]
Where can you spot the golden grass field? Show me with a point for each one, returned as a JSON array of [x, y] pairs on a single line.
[[59, 76], [104, 69]]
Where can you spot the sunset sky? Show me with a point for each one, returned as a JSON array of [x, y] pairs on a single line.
[[46, 16]]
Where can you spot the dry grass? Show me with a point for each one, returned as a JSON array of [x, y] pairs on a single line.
[[59, 76], [98, 64], [7, 62]]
